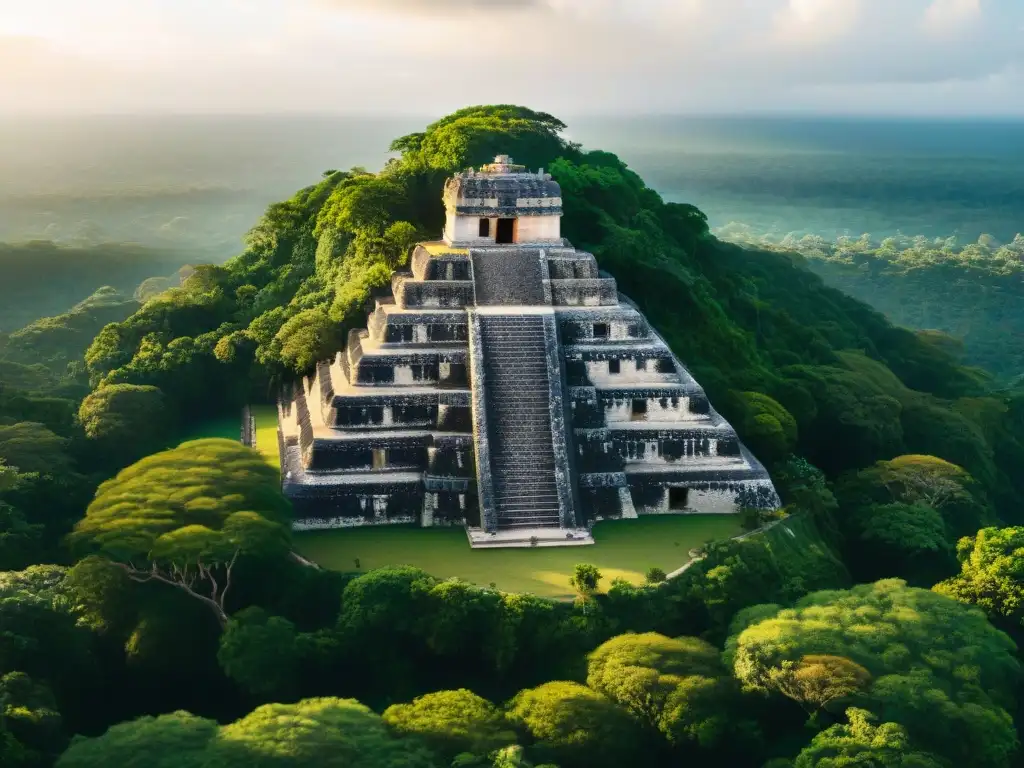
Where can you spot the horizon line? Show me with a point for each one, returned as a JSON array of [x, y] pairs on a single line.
[[573, 114]]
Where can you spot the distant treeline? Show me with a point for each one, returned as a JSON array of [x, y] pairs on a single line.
[[40, 278], [974, 292]]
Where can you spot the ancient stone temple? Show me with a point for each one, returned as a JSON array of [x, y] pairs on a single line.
[[508, 387]]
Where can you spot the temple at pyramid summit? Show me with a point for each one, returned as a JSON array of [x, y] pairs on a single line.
[[506, 386]]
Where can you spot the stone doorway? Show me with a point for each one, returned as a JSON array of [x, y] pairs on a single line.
[[506, 231]]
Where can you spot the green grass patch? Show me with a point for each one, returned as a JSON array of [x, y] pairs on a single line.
[[265, 417], [625, 549], [228, 427]]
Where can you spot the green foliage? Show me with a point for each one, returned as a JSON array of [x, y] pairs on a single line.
[[903, 540], [573, 725], [938, 668], [308, 337], [920, 480], [55, 342], [48, 668], [677, 686], [991, 574], [818, 682], [260, 652], [655, 575], [769, 428], [30, 725], [452, 723], [779, 565], [42, 279], [969, 290], [810, 378], [186, 515], [475, 135], [125, 422], [861, 743], [333, 733], [585, 579], [32, 448]]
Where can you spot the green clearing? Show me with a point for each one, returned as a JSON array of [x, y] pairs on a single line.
[[625, 549], [265, 417], [230, 427]]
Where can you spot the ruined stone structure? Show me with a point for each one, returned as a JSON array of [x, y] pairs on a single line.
[[507, 386]]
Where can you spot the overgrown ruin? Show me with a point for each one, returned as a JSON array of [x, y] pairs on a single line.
[[507, 386]]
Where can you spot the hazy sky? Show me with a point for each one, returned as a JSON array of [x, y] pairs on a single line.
[[566, 56]]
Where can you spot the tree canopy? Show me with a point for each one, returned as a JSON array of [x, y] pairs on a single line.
[[184, 517], [325, 732], [936, 667], [452, 723]]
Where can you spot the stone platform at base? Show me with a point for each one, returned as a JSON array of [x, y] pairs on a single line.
[[527, 538]]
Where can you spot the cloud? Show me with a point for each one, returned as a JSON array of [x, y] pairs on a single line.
[[818, 21], [436, 7], [945, 17], [425, 56]]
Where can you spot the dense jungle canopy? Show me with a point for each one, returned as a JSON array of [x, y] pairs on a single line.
[[175, 626]]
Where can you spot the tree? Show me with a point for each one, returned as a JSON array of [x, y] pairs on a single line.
[[991, 574], [308, 337], [451, 723], [908, 541], [185, 516], [573, 725], [30, 721], [34, 449], [20, 540], [655, 576], [919, 480], [332, 733], [677, 686], [585, 579], [925, 479], [125, 422], [767, 426], [861, 743], [937, 667], [260, 652], [399, 240], [640, 671], [816, 682]]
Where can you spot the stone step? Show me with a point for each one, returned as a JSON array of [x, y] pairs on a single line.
[[519, 418]]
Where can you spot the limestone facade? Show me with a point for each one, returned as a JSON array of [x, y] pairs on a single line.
[[507, 387]]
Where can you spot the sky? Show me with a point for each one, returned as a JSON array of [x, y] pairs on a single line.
[[570, 57]]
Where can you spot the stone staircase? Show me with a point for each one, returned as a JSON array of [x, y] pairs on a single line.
[[518, 403]]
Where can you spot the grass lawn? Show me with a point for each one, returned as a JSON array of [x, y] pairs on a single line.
[[266, 432], [230, 427], [624, 549]]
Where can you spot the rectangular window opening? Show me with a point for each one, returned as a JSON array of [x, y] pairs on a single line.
[[506, 231], [614, 366], [641, 365], [639, 410], [678, 498], [601, 330], [380, 458], [485, 227]]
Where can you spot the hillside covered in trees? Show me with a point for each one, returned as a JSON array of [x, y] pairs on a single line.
[[42, 278], [973, 292], [816, 643]]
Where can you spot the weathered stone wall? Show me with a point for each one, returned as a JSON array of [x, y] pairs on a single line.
[[538, 229]]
